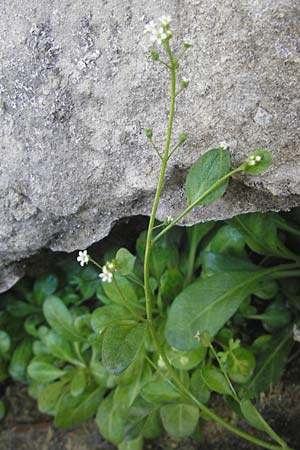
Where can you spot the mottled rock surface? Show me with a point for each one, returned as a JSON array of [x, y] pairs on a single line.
[[77, 89]]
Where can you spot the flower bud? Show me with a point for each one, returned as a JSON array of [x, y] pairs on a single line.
[[184, 82], [149, 133], [187, 43], [154, 55], [182, 138]]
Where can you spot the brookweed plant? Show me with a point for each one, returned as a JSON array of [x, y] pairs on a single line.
[[212, 308]]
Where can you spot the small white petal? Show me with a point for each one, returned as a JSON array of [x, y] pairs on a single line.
[[257, 158]]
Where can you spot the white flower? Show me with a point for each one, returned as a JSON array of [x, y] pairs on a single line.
[[83, 258], [106, 275], [257, 158], [165, 20], [150, 28], [158, 36], [296, 333], [224, 145], [110, 266]]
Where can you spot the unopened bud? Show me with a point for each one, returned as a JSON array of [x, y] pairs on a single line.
[[149, 133], [154, 55], [182, 138], [187, 43], [184, 82]]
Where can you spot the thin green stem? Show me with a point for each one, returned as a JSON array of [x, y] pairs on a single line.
[[156, 149], [164, 63], [174, 149], [159, 188], [235, 396], [196, 202]]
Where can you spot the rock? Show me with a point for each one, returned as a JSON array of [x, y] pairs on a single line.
[[77, 88]]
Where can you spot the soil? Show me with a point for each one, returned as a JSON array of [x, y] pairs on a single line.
[[24, 428]]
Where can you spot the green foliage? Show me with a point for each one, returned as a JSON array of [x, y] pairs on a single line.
[[207, 309], [208, 170], [207, 283]]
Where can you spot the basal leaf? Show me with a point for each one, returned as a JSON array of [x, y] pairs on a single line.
[[206, 305], [110, 423], [49, 396], [59, 318], [271, 362], [43, 372], [120, 346], [179, 420], [20, 360], [215, 380], [209, 169], [125, 261], [72, 411]]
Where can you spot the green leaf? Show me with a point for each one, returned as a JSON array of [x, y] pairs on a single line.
[[208, 170], [197, 232], [72, 411], [120, 346], [159, 392], [228, 240], [215, 380], [49, 396], [43, 372], [206, 305], [45, 286], [20, 360], [262, 165], [124, 261], [126, 289], [109, 315], [152, 427], [5, 342], [110, 423], [125, 394], [78, 383], [21, 309], [87, 281], [99, 373], [60, 318], [60, 347], [136, 444], [137, 418], [276, 316], [198, 387], [218, 262], [260, 232], [252, 416], [240, 365], [271, 362], [185, 360], [170, 284], [179, 420]]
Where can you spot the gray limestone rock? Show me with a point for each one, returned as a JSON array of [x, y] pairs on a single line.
[[77, 88]]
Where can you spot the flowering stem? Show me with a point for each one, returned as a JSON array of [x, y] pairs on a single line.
[[159, 188], [149, 242]]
